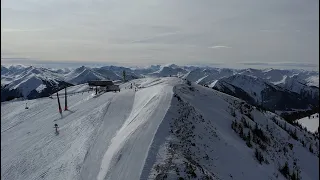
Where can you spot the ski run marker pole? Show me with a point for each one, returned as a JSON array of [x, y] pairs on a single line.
[[60, 110], [65, 104]]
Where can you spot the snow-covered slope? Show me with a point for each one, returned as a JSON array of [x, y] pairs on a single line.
[[118, 71], [14, 69], [208, 76], [271, 75], [274, 76], [252, 85], [312, 81], [165, 129], [30, 82], [146, 70], [201, 145], [169, 70], [295, 84], [257, 91], [33, 82], [108, 74], [311, 123], [61, 71], [82, 75], [4, 70]]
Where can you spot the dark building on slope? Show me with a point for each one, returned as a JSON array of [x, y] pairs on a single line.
[[104, 85]]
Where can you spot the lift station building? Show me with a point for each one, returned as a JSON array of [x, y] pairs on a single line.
[[104, 85]]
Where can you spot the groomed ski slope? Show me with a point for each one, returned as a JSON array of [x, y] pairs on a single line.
[[128, 135], [101, 137]]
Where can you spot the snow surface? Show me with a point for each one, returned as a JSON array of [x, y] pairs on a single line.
[[250, 84], [128, 134], [282, 81], [102, 128], [213, 83], [41, 88], [27, 85], [76, 89], [82, 75], [313, 81], [311, 124], [199, 80], [168, 70], [295, 84], [27, 79]]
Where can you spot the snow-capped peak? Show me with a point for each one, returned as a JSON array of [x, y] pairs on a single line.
[[174, 66]]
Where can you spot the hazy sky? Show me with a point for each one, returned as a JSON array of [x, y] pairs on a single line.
[[161, 31]]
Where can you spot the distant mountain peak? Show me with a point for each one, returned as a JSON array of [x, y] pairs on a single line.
[[171, 66]]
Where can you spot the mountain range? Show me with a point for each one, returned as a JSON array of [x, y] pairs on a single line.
[[274, 89]]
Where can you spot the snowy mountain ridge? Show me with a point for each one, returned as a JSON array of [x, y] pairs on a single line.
[[29, 82], [168, 129], [295, 84], [257, 91], [33, 82], [82, 75], [250, 84], [297, 81]]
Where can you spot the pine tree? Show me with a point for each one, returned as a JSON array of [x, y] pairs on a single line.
[[259, 156], [241, 131], [285, 170], [298, 174], [249, 140], [188, 83], [285, 126], [295, 134], [310, 148], [233, 113], [233, 125], [293, 176], [254, 138], [249, 136], [124, 75]]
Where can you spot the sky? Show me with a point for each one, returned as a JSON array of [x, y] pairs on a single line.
[[247, 32]]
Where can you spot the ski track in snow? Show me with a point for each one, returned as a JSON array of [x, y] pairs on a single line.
[[125, 157], [113, 130], [112, 121], [37, 149]]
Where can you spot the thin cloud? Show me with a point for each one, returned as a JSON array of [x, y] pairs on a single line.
[[270, 30], [218, 47], [289, 64], [23, 30], [154, 37], [158, 32]]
